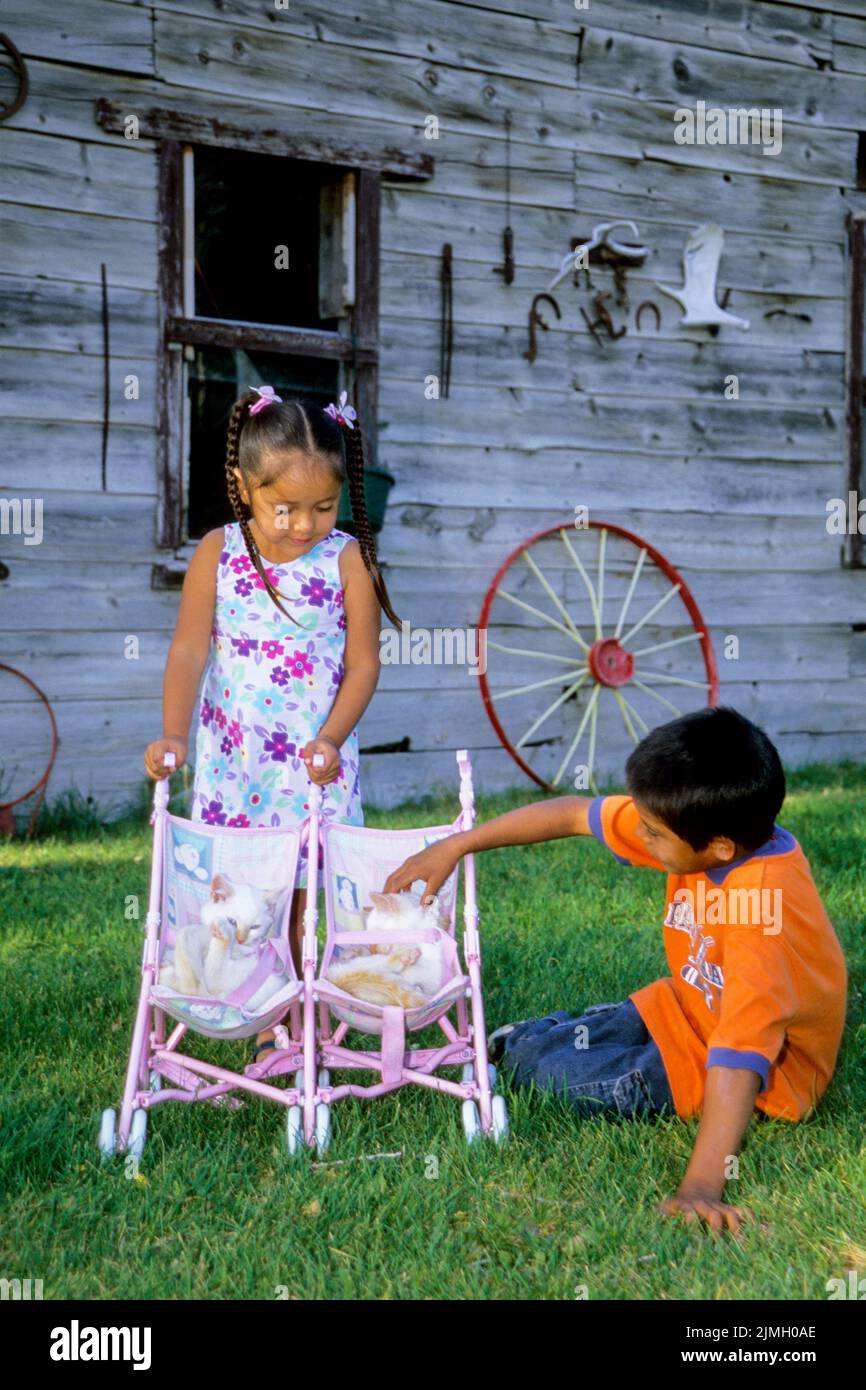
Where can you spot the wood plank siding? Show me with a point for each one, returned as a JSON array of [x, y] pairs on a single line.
[[638, 429]]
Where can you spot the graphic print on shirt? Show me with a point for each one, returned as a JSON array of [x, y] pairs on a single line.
[[697, 970]]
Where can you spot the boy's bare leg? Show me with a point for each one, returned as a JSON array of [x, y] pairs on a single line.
[[296, 940]]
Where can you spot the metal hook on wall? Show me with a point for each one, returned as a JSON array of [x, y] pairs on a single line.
[[536, 321], [507, 268], [604, 319]]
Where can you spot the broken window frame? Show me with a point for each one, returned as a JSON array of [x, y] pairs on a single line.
[[853, 550], [357, 351], [180, 326]]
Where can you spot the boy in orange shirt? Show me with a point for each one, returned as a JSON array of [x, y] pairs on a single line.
[[751, 1015]]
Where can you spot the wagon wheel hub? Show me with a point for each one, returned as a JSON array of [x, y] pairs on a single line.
[[610, 663]]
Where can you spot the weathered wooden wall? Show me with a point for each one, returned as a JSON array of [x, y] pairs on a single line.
[[734, 492]]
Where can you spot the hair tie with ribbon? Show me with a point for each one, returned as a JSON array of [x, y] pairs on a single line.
[[341, 412], [267, 396]]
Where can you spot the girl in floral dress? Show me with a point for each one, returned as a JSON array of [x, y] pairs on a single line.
[[285, 611]]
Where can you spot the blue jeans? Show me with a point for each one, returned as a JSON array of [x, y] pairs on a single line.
[[602, 1061]]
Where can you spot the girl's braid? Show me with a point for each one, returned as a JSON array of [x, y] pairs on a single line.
[[239, 507], [355, 476]]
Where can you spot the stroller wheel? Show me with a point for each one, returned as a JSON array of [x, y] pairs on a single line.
[[500, 1120], [294, 1130], [138, 1134], [323, 1129], [107, 1133], [471, 1122], [324, 1078], [299, 1080], [155, 1081], [468, 1075]]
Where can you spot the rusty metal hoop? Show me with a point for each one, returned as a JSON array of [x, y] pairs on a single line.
[[23, 78], [7, 822]]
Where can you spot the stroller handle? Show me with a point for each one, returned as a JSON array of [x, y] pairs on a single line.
[[169, 761]]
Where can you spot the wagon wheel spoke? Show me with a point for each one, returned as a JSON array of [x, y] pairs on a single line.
[[547, 713], [578, 564], [662, 678], [602, 537], [624, 711], [638, 566], [572, 748], [674, 642], [593, 725], [661, 699], [556, 599], [638, 718], [540, 656], [665, 598], [525, 689], [545, 618]]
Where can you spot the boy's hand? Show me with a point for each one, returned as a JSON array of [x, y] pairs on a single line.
[[729, 1099], [434, 865], [153, 755], [329, 770], [704, 1206]]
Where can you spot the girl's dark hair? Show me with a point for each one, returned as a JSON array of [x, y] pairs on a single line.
[[254, 445], [709, 773]]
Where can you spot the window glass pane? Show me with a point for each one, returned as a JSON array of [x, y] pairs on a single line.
[[217, 376], [246, 206]]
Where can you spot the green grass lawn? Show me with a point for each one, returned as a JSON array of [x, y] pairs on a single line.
[[218, 1210]]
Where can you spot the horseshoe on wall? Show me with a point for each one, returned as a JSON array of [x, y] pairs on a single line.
[[23, 79], [648, 304]]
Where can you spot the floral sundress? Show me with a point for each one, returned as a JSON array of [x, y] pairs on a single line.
[[268, 688]]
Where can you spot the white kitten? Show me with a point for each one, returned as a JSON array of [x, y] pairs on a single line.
[[229, 963], [209, 954], [405, 973]]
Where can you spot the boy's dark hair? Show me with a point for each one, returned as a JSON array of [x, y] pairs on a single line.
[[254, 445], [709, 773]]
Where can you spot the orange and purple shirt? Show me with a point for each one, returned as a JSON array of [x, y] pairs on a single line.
[[758, 978]]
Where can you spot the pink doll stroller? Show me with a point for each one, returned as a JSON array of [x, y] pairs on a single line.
[[356, 861], [217, 962]]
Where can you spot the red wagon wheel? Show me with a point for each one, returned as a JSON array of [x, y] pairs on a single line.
[[608, 614]]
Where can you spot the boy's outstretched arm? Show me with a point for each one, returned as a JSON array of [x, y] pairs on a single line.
[[555, 819], [729, 1099]]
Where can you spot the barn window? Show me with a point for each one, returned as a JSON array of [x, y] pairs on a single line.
[[230, 314], [259, 282], [269, 241]]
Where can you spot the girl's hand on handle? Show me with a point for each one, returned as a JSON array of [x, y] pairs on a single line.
[[433, 865], [322, 772], [153, 757]]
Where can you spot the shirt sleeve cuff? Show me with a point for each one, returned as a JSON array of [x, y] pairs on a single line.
[[748, 1061], [597, 827]]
